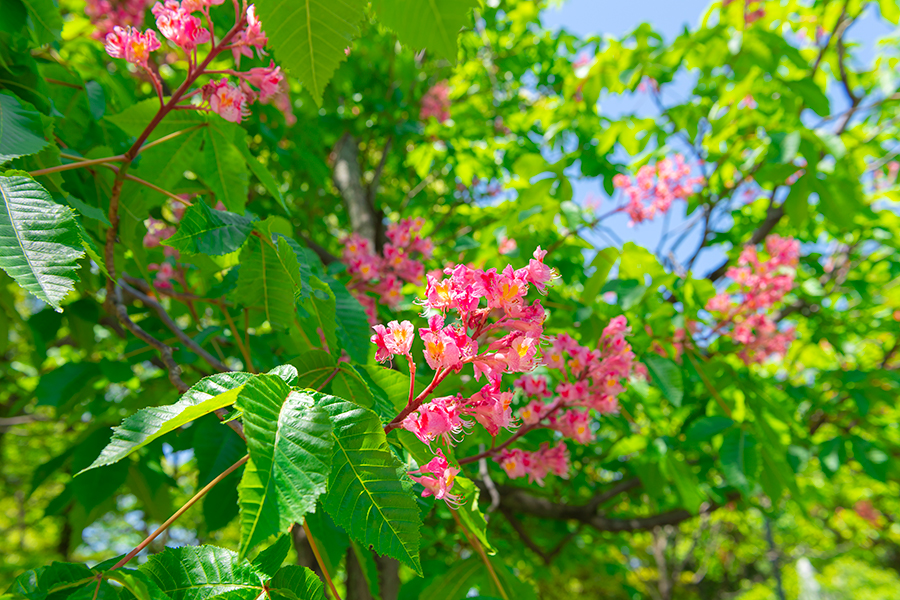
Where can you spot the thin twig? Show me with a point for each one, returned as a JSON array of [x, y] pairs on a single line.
[[179, 512], [315, 549]]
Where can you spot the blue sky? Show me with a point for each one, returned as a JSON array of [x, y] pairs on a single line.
[[618, 17]]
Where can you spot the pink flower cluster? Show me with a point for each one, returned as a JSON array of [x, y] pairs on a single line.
[[106, 15], [655, 187], [383, 276], [587, 380], [439, 483], [538, 464], [761, 284], [494, 329], [131, 44], [179, 23], [436, 103]]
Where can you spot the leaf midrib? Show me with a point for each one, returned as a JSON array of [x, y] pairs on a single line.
[[12, 224], [369, 494]]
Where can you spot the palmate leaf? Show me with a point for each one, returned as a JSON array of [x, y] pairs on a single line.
[[269, 279], [309, 36], [225, 171], [207, 231], [199, 572], [432, 24], [269, 560], [58, 578], [296, 583], [39, 240], [21, 130], [366, 495], [207, 395], [290, 443], [217, 447]]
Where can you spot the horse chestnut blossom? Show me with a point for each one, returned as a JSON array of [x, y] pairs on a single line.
[[132, 45], [182, 23], [439, 483], [479, 318], [655, 187], [760, 285], [400, 261], [436, 103], [107, 15], [538, 464], [587, 380]]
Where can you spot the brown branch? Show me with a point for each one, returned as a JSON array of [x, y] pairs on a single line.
[[214, 362]]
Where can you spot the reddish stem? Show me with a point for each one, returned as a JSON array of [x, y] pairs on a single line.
[[522, 431]]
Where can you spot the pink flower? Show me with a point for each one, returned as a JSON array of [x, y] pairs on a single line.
[[436, 103], [165, 273], [226, 100], [440, 418], [533, 412], [252, 36], [506, 245], [515, 463], [156, 232], [490, 407], [179, 25], [382, 352], [440, 482], [132, 45], [267, 79], [400, 338]]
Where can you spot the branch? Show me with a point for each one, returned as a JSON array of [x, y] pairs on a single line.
[[373, 186], [214, 362], [773, 216], [324, 255], [520, 500]]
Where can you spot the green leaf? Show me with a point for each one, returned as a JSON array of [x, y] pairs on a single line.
[[226, 170], [199, 572], [269, 278], [138, 585], [352, 325], [331, 540], [707, 427], [318, 315], [832, 454], [45, 20], [366, 496], [739, 460], [21, 129], [207, 231], [217, 447], [469, 512], [39, 241], [295, 583], [890, 11], [270, 560], [263, 174], [471, 573], [432, 24], [62, 383], [309, 36], [290, 443], [667, 376], [603, 263], [796, 205], [38, 584], [873, 460], [366, 561], [685, 481], [207, 395]]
